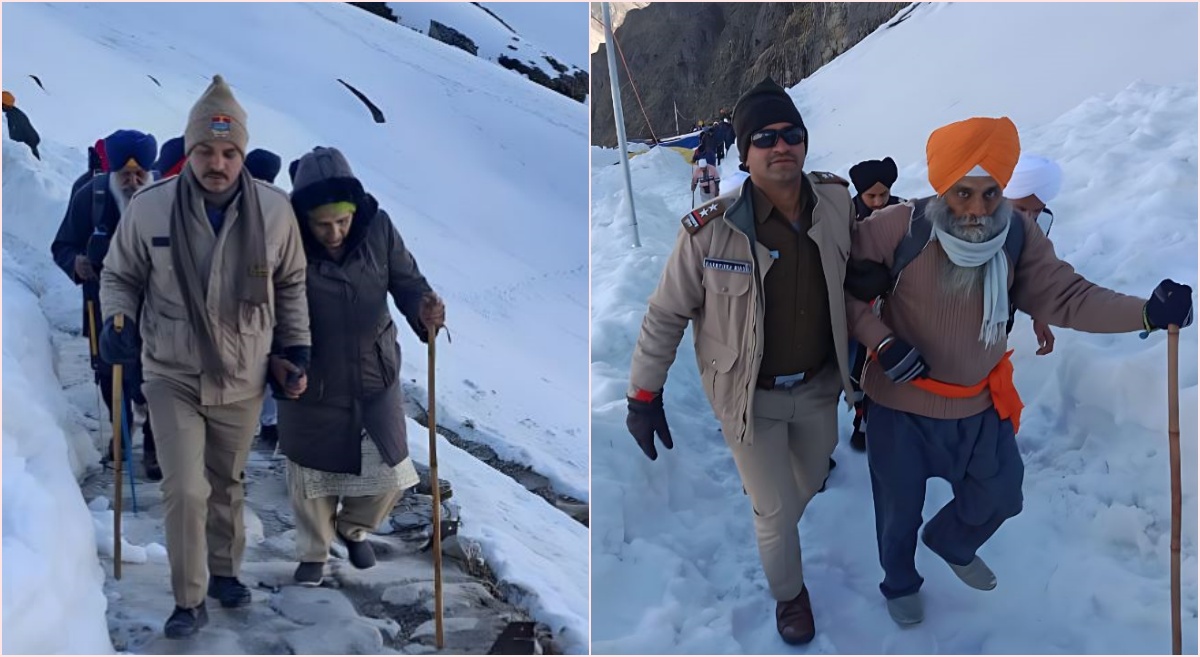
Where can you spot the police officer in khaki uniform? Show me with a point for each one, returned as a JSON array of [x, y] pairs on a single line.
[[760, 272]]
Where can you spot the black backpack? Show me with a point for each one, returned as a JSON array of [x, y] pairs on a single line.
[[97, 246]]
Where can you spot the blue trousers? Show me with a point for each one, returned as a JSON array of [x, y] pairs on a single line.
[[977, 455]]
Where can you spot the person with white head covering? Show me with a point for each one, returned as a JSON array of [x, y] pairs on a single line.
[[1035, 182], [708, 179]]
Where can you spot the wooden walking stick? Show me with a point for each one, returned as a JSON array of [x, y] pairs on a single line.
[[437, 500], [1176, 495], [118, 416]]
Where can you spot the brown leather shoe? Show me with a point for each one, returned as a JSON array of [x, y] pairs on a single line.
[[794, 619]]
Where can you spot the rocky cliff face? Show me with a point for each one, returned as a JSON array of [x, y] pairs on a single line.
[[701, 56], [517, 55], [596, 24]]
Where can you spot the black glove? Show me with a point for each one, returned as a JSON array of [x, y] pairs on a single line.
[[866, 280], [900, 360], [1171, 303], [646, 418], [299, 355], [124, 348]]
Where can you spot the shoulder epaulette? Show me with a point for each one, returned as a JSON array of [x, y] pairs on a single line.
[[827, 178], [699, 217]]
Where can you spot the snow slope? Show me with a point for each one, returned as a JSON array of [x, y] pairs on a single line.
[[558, 27], [1085, 567], [493, 36], [474, 166]]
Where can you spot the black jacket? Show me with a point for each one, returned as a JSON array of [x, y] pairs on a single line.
[[20, 129], [353, 379], [861, 211], [92, 207]]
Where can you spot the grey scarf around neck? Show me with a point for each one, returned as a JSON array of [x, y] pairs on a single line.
[[989, 254], [249, 261]]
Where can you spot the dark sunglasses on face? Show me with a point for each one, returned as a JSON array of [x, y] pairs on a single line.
[[768, 138]]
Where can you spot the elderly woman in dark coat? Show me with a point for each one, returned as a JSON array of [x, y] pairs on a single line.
[[344, 436]]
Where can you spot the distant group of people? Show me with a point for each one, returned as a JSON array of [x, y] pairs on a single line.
[[715, 139], [787, 277], [236, 296]]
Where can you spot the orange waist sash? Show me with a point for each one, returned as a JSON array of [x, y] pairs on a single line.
[[999, 382]]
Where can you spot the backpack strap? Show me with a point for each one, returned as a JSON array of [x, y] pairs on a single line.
[[1013, 244], [97, 244], [1015, 241], [914, 241]]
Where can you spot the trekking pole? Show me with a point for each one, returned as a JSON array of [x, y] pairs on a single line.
[[94, 350], [1176, 497], [127, 444], [118, 416], [437, 500]]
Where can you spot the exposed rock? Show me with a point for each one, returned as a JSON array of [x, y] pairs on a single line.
[[453, 37], [702, 56]]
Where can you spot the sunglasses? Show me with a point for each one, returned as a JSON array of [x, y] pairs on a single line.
[[768, 138]]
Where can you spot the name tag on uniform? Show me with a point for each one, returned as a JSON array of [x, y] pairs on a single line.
[[737, 266], [774, 255], [165, 240]]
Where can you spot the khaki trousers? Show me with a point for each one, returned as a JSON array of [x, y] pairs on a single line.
[[318, 518], [795, 432], [203, 452]]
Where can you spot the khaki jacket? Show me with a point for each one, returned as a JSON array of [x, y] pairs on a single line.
[[724, 299], [138, 273]]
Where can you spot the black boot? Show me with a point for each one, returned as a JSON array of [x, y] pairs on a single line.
[[184, 623], [858, 439], [362, 555], [229, 591], [150, 463], [269, 435], [150, 452], [832, 465]]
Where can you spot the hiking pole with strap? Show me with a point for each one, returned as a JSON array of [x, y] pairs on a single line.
[[127, 443], [118, 417], [437, 500], [1176, 496], [94, 350]]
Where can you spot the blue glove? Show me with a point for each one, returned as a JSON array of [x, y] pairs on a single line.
[[123, 348], [901, 361], [1171, 303]]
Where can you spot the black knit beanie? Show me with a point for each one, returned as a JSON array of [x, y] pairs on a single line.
[[763, 105]]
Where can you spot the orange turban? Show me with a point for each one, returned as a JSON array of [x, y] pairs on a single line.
[[8, 99], [955, 150]]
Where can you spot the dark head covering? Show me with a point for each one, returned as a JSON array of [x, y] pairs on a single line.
[[263, 165], [125, 145], [170, 157], [763, 105], [865, 174], [323, 176]]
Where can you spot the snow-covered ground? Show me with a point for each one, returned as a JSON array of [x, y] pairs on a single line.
[[558, 27], [1085, 567], [487, 28], [474, 164]]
